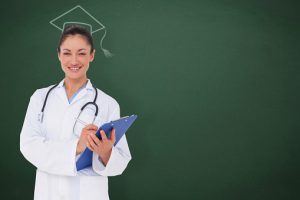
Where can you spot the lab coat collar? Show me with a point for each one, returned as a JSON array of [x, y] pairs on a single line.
[[61, 84], [61, 92], [88, 86]]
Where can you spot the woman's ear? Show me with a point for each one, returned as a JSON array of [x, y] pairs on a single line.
[[58, 55], [92, 55]]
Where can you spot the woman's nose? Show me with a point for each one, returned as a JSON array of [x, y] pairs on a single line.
[[74, 60]]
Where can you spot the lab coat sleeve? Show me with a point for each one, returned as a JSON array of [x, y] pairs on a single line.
[[52, 156], [119, 158]]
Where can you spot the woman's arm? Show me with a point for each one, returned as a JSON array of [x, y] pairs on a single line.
[[119, 156], [52, 156]]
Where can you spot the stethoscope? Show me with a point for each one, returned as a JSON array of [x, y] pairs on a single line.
[[41, 114]]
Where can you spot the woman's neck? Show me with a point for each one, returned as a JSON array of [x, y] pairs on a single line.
[[73, 85]]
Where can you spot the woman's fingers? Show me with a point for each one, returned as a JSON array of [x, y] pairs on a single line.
[[91, 127], [113, 135], [103, 135], [91, 132], [91, 142], [89, 146], [95, 144], [95, 139]]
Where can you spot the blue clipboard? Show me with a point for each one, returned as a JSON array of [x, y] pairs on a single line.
[[121, 126]]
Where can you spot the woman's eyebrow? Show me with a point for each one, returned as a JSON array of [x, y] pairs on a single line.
[[78, 49]]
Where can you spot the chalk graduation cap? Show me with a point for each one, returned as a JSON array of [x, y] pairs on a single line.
[[79, 16]]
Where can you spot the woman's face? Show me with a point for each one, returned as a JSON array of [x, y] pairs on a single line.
[[75, 57]]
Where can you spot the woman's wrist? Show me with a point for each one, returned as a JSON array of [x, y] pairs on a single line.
[[79, 149], [104, 157]]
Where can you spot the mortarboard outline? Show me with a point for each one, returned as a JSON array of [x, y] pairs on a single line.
[[106, 52]]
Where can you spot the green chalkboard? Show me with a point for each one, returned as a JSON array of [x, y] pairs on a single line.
[[215, 84]]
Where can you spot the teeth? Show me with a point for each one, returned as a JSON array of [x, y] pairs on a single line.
[[74, 68]]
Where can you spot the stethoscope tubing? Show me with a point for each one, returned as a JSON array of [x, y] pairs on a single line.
[[82, 108]]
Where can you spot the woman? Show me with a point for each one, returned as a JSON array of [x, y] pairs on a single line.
[[55, 134]]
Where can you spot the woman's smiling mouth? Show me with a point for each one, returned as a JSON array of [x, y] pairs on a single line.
[[74, 69]]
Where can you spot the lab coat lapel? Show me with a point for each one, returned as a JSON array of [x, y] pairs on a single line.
[[84, 92], [61, 92], [80, 95]]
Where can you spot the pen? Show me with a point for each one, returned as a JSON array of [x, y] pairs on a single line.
[[82, 122]]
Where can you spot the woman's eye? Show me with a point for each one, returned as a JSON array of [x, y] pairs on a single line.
[[82, 54], [67, 54]]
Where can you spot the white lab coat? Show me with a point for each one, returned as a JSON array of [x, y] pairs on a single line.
[[51, 146]]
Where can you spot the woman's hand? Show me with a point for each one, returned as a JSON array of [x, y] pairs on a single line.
[[90, 129], [102, 147]]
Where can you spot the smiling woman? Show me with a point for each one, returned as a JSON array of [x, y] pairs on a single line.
[[75, 52], [54, 142]]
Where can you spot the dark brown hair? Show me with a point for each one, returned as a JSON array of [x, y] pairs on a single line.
[[74, 30]]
